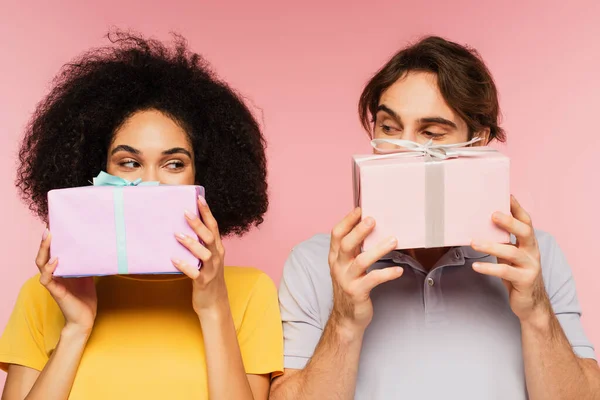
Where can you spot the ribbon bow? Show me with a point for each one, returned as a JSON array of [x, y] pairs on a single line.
[[414, 149], [104, 179]]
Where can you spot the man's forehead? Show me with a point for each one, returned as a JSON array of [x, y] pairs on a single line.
[[417, 96]]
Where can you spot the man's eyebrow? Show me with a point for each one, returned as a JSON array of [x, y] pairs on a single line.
[[392, 113], [437, 120]]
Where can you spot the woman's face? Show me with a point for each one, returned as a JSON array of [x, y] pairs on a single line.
[[151, 146]]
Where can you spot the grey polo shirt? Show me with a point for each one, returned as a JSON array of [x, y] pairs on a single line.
[[446, 334]]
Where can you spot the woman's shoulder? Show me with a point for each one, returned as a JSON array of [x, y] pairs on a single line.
[[33, 293], [248, 280], [35, 307], [246, 272]]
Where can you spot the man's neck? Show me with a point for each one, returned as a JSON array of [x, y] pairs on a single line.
[[427, 257]]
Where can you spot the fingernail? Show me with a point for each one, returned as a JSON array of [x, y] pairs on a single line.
[[202, 200], [369, 221], [182, 236], [476, 265], [496, 215], [52, 260], [190, 214], [175, 261], [476, 243], [45, 234], [393, 241]]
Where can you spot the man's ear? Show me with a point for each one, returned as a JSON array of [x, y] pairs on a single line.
[[484, 134]]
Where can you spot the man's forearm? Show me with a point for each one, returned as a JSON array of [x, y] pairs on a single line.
[[552, 370], [331, 372]]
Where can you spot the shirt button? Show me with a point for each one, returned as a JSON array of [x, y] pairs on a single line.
[[430, 281]]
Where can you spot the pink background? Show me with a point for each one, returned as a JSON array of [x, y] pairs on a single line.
[[303, 68]]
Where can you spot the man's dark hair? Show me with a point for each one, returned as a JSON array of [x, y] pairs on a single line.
[[463, 79]]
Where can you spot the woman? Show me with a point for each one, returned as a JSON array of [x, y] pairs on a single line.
[[140, 109]]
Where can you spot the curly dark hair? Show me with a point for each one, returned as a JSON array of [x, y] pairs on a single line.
[[67, 140]]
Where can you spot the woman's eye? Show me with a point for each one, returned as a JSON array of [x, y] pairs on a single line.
[[129, 164], [175, 165]]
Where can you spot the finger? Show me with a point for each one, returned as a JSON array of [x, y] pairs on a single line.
[[192, 272], [43, 254], [519, 212], [378, 276], [47, 277], [201, 230], [510, 253], [364, 260], [195, 247], [503, 271], [208, 218], [350, 245], [343, 228], [524, 233]]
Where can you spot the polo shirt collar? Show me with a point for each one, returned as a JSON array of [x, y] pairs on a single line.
[[462, 252]]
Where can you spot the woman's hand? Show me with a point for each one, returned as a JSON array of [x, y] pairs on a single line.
[[209, 289], [76, 297]]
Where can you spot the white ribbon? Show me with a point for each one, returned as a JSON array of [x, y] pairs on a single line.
[[414, 149]]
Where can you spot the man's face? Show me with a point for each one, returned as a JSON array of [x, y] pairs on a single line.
[[413, 109]]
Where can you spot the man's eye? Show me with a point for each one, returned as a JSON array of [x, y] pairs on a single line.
[[387, 128], [432, 135]]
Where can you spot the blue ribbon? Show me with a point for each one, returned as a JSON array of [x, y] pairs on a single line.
[[104, 179]]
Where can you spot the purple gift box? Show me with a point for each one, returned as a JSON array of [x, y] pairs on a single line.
[[110, 230]]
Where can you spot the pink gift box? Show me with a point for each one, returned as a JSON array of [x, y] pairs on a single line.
[[426, 202], [108, 230]]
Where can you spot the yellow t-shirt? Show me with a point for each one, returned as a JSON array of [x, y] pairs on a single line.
[[147, 341]]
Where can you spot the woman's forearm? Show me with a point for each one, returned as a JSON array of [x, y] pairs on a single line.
[[56, 379], [226, 374]]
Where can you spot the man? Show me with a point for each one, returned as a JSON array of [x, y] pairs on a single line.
[[486, 321]]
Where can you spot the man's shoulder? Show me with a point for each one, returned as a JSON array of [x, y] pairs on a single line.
[[310, 259], [556, 270], [545, 240], [316, 246], [550, 252]]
